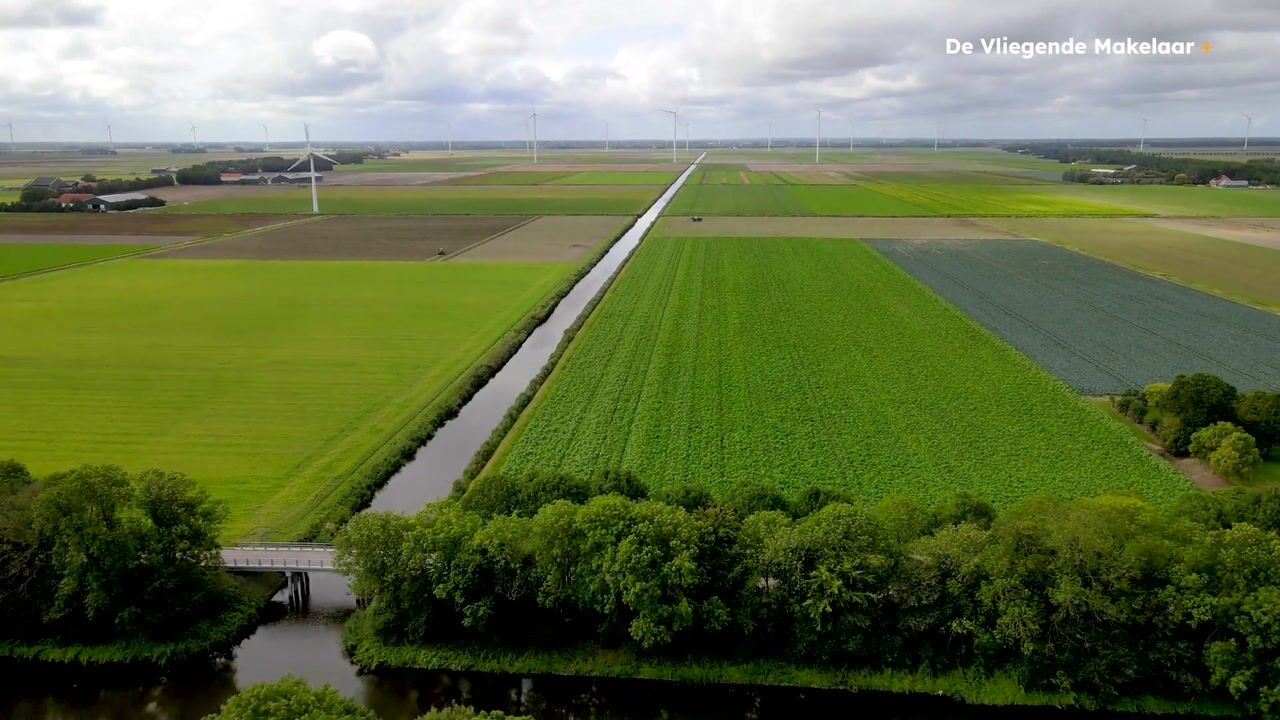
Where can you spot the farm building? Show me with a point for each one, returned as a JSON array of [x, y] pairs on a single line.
[[164, 170], [276, 178], [107, 203], [1222, 181], [69, 198], [49, 183]]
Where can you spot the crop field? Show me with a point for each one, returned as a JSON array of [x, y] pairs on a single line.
[[1174, 200], [356, 237], [811, 361], [18, 258], [148, 223], [439, 200], [1241, 271], [939, 177], [733, 175], [1263, 232], [837, 200], [556, 238], [267, 382], [929, 228], [993, 200], [1099, 327]]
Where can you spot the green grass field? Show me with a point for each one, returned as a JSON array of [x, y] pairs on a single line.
[[1175, 200], [17, 258], [1236, 270], [268, 382], [724, 360], [598, 177], [994, 200], [438, 200]]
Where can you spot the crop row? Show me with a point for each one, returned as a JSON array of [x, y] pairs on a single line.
[[807, 362]]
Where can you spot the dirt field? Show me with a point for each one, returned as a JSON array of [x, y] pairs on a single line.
[[1255, 231], [49, 239], [134, 223], [555, 238], [355, 238], [178, 194], [392, 178], [832, 227]]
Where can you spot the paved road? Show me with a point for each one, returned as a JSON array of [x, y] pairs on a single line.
[[279, 557]]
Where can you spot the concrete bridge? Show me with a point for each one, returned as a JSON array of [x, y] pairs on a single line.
[[295, 560]]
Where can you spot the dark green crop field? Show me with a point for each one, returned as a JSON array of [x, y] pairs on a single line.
[[804, 361]]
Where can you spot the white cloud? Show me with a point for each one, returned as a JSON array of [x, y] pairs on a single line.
[[345, 50]]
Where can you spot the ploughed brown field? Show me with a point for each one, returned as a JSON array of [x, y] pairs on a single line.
[[356, 237], [134, 223], [553, 238]]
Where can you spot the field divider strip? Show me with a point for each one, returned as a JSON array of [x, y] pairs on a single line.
[[163, 248], [498, 234]]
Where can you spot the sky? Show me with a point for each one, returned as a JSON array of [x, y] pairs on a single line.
[[385, 70]]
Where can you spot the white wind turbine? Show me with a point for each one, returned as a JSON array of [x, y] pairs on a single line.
[[111, 142], [534, 117], [13, 148], [1142, 139], [675, 114], [448, 133], [769, 147], [310, 158], [194, 143], [937, 134], [850, 136], [686, 137], [266, 138], [606, 135], [817, 141], [1248, 125]]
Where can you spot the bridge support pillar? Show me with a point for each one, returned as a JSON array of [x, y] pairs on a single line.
[[299, 590]]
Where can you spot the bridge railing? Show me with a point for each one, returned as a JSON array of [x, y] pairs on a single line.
[[323, 547], [279, 563]]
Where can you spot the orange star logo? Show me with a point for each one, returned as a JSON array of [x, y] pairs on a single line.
[[1206, 46]]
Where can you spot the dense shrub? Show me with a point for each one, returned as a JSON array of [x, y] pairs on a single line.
[[1198, 400], [1259, 414], [291, 699], [1101, 596], [1236, 457], [1206, 440]]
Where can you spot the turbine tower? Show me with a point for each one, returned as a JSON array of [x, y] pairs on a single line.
[[937, 134], [606, 135], [686, 137], [310, 159], [850, 136], [1248, 125], [675, 131], [448, 133], [1142, 139], [534, 117], [111, 142], [13, 148], [194, 143], [769, 147], [817, 139], [266, 138]]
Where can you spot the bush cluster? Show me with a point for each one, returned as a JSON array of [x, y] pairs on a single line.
[[290, 699], [1102, 596], [1172, 168]]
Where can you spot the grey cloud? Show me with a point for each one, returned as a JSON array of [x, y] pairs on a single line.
[[31, 14]]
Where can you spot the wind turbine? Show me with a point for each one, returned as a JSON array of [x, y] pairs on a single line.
[[111, 142], [1142, 140], [686, 137], [1248, 125], [448, 130], [12, 147], [850, 136], [194, 143], [606, 135], [937, 133], [266, 138], [769, 147], [675, 131], [534, 117], [310, 158], [817, 139]]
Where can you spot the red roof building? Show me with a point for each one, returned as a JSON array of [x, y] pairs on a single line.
[[68, 198]]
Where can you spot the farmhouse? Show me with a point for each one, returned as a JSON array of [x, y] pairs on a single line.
[[107, 203], [1222, 181], [49, 183], [276, 178], [69, 198]]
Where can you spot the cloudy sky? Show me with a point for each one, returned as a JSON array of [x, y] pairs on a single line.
[[402, 69]]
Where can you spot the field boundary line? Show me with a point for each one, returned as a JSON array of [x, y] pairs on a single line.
[[163, 248], [498, 234]]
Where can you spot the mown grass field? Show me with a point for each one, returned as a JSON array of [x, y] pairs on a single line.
[[268, 382], [1099, 327], [17, 258], [803, 361], [993, 200], [1174, 200], [438, 200], [1240, 271]]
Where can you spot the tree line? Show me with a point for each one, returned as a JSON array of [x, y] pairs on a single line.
[[1205, 416], [98, 555], [210, 173], [34, 199], [1103, 597], [1173, 169]]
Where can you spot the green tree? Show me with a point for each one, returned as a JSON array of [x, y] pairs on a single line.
[[462, 712], [1259, 415], [1206, 440], [1237, 457], [35, 195], [291, 699], [618, 482], [1155, 395], [1198, 400], [25, 575]]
